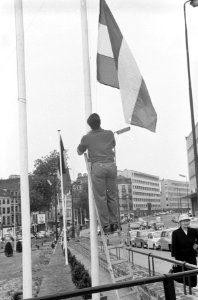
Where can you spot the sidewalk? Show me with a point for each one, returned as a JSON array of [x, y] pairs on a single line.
[[57, 276]]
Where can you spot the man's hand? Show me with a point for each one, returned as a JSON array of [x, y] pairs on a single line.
[[79, 152]]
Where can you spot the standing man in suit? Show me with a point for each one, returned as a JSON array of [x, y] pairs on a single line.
[[184, 243]]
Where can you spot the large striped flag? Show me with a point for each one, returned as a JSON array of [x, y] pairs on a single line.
[[116, 67]]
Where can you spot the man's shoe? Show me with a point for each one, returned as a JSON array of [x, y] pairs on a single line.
[[106, 229], [114, 227]]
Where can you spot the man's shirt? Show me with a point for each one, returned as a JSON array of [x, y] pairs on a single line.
[[100, 144]]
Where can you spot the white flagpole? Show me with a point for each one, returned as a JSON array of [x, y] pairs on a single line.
[[23, 152], [65, 228], [63, 204], [88, 111]]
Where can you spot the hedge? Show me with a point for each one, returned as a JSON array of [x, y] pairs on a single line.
[[80, 276]]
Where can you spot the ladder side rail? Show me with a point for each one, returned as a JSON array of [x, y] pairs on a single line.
[[101, 229]]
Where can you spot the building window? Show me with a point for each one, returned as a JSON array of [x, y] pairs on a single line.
[[3, 210], [8, 210]]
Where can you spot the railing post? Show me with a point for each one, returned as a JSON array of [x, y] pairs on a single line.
[[153, 266], [169, 289]]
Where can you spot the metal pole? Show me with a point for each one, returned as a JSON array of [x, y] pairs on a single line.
[[56, 212], [88, 111], [23, 152], [14, 233], [72, 199], [191, 99]]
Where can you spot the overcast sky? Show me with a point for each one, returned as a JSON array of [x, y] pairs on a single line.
[[154, 31]]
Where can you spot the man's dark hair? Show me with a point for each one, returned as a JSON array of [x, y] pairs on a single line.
[[94, 121]]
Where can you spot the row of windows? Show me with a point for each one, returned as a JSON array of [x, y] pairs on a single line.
[[9, 220], [145, 200], [145, 188], [146, 182], [145, 205], [146, 194], [4, 201], [3, 209], [7, 201]]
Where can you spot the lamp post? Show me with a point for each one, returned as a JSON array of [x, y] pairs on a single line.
[[118, 132], [181, 175], [193, 3]]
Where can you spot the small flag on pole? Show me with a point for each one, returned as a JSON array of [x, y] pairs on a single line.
[[116, 67], [65, 169]]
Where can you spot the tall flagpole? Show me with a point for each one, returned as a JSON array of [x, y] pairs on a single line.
[[88, 111], [63, 205], [23, 152], [65, 228]]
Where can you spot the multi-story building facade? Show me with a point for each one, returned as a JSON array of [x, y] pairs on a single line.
[[12, 204], [191, 170], [145, 192], [174, 195], [10, 208]]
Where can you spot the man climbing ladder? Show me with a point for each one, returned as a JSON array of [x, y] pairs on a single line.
[[100, 144]]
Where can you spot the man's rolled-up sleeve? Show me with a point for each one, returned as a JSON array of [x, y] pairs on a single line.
[[81, 147]]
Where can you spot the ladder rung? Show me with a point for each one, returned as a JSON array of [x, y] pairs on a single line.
[[117, 262], [127, 294], [121, 278]]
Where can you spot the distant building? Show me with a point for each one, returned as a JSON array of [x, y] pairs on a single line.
[[191, 170], [145, 191], [174, 195], [10, 208]]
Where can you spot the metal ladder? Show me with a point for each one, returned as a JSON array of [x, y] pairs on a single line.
[[115, 265]]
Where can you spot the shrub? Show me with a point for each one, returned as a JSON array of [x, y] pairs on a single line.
[[80, 276], [19, 246], [8, 249]]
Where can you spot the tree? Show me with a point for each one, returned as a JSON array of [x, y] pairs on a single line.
[[8, 249], [44, 182], [80, 198], [19, 246]]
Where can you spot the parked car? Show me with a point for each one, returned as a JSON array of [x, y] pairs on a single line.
[[194, 223], [141, 239], [175, 219], [49, 233], [135, 225], [40, 234], [164, 243], [153, 238], [130, 237], [7, 238]]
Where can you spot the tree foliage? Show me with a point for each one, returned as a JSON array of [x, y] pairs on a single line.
[[80, 198], [44, 182], [8, 249]]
